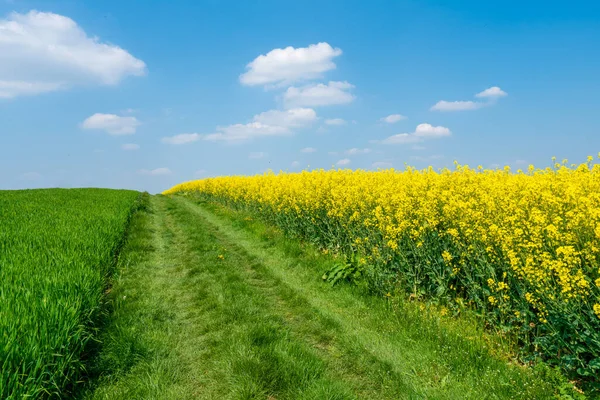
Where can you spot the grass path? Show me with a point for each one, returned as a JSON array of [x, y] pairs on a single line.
[[205, 309]]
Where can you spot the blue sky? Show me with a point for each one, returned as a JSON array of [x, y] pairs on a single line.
[[146, 94]]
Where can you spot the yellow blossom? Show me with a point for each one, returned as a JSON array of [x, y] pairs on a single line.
[[446, 256], [530, 239]]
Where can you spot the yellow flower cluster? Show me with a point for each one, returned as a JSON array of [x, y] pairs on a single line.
[[524, 245]]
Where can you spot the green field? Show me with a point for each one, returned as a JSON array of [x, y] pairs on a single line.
[[204, 302], [57, 250]]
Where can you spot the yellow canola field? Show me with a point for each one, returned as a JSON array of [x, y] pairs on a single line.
[[523, 248]]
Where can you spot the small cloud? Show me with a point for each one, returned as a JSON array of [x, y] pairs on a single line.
[[521, 162], [393, 118], [257, 155], [319, 94], [356, 151], [112, 124], [10, 89], [268, 123], [200, 172], [493, 92], [31, 176], [265, 124], [295, 164], [130, 146], [287, 65], [182, 138], [421, 133], [430, 131], [293, 118], [242, 132], [381, 164], [342, 162], [456, 105], [308, 150], [401, 138], [322, 129], [156, 172], [335, 121]]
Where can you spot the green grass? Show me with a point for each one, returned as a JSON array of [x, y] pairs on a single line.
[[57, 249], [209, 305]]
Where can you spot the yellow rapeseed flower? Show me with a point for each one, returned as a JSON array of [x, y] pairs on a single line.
[[536, 232], [446, 256]]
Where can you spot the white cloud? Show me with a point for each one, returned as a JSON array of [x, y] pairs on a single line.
[[318, 95], [322, 129], [429, 131], [200, 172], [401, 138], [157, 171], [422, 132], [112, 124], [257, 155], [342, 162], [295, 164], [444, 105], [268, 123], [43, 52], [381, 164], [356, 151], [393, 118], [308, 150], [335, 121], [31, 176], [493, 92], [242, 132], [182, 138], [9, 89], [130, 146], [283, 66], [293, 118]]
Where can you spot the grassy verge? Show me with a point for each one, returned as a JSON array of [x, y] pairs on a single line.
[[187, 325], [57, 250], [209, 305]]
